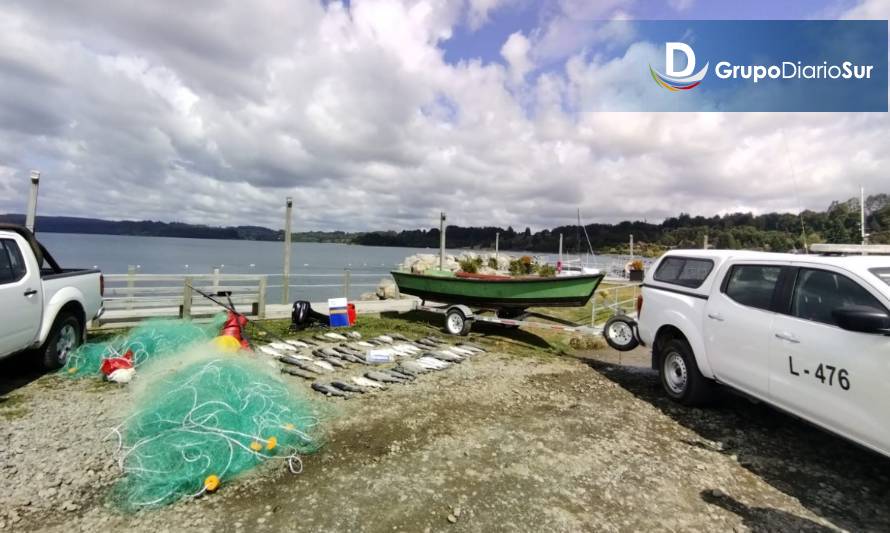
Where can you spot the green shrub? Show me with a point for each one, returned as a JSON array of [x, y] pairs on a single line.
[[522, 266], [546, 271], [492, 263], [470, 265]]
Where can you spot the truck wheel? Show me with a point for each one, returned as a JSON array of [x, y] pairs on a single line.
[[457, 324], [680, 377], [64, 337], [619, 333]]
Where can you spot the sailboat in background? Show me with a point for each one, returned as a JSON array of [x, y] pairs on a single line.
[[576, 267]]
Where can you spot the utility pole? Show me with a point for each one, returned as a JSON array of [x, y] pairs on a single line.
[[862, 217], [285, 297], [442, 240], [31, 215]]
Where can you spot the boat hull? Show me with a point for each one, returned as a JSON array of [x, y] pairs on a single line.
[[519, 293]]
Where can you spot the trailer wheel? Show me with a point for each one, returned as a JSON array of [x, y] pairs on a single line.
[[456, 323], [619, 333]]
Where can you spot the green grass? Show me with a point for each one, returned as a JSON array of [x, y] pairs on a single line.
[[581, 315]]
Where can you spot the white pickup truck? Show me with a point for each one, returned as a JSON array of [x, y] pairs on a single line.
[[808, 334], [42, 305]]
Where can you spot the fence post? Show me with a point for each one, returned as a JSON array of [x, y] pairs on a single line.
[[261, 298], [185, 311], [347, 278], [131, 284]]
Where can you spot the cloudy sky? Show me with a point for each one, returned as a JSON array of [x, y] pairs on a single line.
[[376, 114]]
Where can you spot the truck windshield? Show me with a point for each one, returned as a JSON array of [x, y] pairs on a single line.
[[882, 273]]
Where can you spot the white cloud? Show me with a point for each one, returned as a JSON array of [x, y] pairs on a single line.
[[215, 117], [515, 52]]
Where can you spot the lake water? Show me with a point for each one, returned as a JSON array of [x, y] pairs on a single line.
[[317, 269], [318, 264]]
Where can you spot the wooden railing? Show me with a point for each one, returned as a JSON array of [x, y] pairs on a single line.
[[131, 297]]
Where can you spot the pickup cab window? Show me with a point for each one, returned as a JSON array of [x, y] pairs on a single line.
[[12, 264], [882, 273], [753, 285], [684, 271], [819, 292]]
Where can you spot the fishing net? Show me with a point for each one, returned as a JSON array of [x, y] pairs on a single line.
[[205, 422], [149, 340]]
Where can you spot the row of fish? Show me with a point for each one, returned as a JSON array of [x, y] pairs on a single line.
[[414, 357]]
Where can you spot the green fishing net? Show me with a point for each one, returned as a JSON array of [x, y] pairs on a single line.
[[202, 423], [149, 340]]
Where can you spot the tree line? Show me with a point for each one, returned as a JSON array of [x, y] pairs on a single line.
[[779, 232]]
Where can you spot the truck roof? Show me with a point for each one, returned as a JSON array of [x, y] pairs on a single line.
[[856, 263]]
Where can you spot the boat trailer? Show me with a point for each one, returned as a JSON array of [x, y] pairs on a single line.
[[459, 319]]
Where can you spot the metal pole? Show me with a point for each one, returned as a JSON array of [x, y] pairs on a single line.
[[285, 289], [31, 215], [862, 217], [442, 240], [131, 284], [497, 238], [347, 276], [560, 249], [631, 247], [705, 244]]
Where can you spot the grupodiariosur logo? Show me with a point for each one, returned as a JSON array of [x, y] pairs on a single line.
[[678, 80]]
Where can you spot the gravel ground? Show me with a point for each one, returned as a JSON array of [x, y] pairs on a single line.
[[497, 443]]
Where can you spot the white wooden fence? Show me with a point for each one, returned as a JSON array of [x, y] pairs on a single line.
[[132, 297]]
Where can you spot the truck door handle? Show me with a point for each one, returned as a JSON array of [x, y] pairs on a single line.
[[715, 316], [788, 337], [30, 292]]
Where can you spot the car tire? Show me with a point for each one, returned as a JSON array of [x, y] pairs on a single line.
[[457, 324], [64, 337], [619, 333], [680, 377]]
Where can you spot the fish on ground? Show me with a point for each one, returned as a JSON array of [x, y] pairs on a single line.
[[349, 387], [295, 360], [364, 344], [362, 381], [399, 336], [323, 364], [311, 366], [354, 335], [433, 363], [427, 343], [444, 355], [297, 344], [334, 362], [271, 351], [328, 390], [383, 378], [335, 336], [401, 375], [411, 368], [460, 351], [322, 338], [282, 346], [298, 372]]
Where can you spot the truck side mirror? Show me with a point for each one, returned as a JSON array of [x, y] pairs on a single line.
[[863, 319]]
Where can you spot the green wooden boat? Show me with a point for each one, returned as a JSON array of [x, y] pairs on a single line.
[[499, 292]]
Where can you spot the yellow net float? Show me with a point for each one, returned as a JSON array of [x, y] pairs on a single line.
[[211, 483], [226, 343]]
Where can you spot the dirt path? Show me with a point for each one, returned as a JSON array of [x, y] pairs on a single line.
[[497, 443]]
